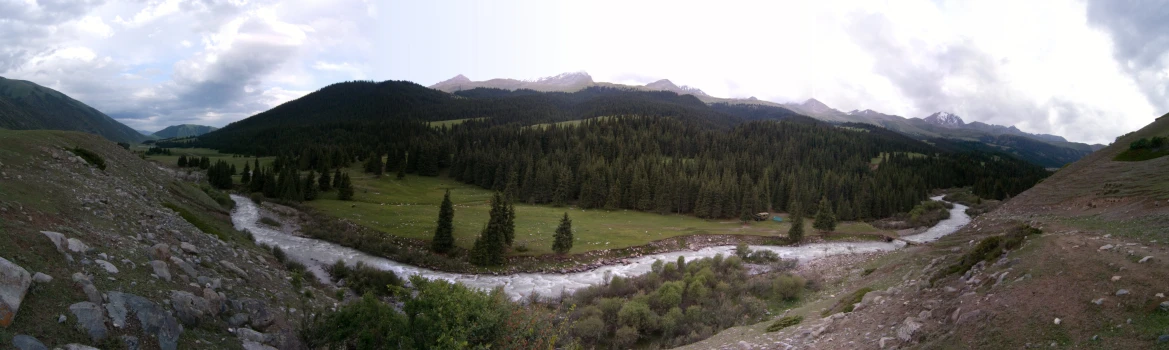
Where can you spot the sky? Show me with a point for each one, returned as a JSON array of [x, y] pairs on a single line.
[[1088, 70]]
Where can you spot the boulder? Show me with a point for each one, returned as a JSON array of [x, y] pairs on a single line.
[[908, 328], [189, 248], [251, 345], [238, 320], [160, 269], [233, 268], [217, 302], [185, 266], [160, 251], [258, 314], [14, 283], [77, 246], [41, 278], [106, 265], [24, 342], [76, 346], [154, 321], [58, 240], [116, 309], [1122, 292], [189, 308], [247, 334], [1165, 306], [91, 293], [90, 319], [81, 278], [131, 342]]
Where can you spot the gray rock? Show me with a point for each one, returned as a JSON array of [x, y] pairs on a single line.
[[14, 283], [1098, 301], [1144, 259], [238, 320], [116, 309], [189, 308], [90, 319], [1122, 292], [251, 345], [1165, 306], [971, 316], [155, 321], [1164, 338], [1106, 247], [24, 342], [77, 246], [217, 302], [160, 251], [908, 328], [81, 278], [233, 268], [41, 278], [58, 240], [76, 346], [257, 312], [189, 248], [106, 265], [131, 342], [92, 294], [885, 341], [247, 334], [62, 319], [185, 266], [160, 269]]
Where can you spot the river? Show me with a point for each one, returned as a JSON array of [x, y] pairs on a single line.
[[316, 254]]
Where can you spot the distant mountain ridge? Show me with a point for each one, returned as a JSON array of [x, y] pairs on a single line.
[[184, 130], [1047, 150], [24, 105]]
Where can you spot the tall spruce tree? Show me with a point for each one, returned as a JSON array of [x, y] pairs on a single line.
[[345, 190], [183, 161], [490, 246], [825, 219], [246, 176], [796, 233], [509, 223], [562, 241], [444, 238], [310, 186], [374, 165], [337, 179], [324, 183]]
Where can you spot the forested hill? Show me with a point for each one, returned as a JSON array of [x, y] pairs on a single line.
[[615, 149], [24, 105]]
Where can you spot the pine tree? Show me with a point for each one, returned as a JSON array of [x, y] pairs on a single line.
[[444, 238], [401, 170], [489, 247], [324, 183], [310, 186], [796, 233], [374, 165], [345, 188], [246, 176], [509, 223], [562, 241], [205, 163], [825, 219], [183, 161], [337, 179]]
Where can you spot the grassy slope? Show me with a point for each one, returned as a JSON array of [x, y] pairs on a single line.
[[409, 208]]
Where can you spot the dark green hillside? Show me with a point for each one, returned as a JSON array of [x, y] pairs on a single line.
[[25, 105], [184, 130]]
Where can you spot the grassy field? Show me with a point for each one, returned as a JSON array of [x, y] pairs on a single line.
[[409, 208], [214, 155], [448, 123], [885, 155]]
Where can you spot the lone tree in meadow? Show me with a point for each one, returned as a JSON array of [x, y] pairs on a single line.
[[444, 238], [796, 233], [562, 241], [345, 188], [491, 244], [825, 219]]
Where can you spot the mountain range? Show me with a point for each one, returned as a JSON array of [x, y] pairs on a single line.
[[24, 105], [1051, 151]]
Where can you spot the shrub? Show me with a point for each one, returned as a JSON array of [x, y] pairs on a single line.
[[279, 254], [989, 249], [849, 301], [590, 329], [625, 337], [364, 279], [90, 157], [785, 322]]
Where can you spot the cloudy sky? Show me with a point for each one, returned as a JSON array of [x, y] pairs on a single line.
[[1087, 70]]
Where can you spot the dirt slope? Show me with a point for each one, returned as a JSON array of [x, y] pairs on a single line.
[[1096, 278]]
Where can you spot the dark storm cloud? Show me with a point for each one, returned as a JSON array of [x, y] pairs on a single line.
[[921, 71], [1140, 39]]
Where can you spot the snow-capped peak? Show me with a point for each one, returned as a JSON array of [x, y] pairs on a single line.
[[946, 119]]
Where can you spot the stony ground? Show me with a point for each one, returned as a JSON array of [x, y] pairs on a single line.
[[104, 258]]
